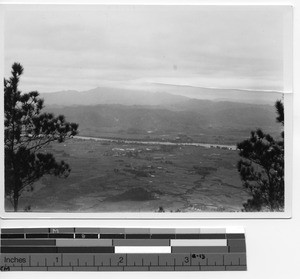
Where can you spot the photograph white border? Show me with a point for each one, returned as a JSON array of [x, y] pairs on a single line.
[[288, 101]]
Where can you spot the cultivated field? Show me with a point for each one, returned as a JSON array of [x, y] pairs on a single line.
[[117, 177]]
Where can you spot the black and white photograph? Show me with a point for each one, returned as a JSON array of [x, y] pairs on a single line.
[[165, 109]]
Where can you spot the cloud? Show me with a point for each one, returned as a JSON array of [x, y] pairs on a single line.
[[74, 46]]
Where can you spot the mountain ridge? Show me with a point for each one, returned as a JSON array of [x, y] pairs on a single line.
[[106, 95], [168, 95]]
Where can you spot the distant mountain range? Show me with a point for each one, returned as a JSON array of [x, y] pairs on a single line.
[[164, 95], [217, 94], [103, 95], [120, 112]]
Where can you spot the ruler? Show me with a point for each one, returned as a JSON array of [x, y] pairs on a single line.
[[122, 249]]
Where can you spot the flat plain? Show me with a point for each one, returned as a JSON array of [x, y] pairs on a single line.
[[118, 177]]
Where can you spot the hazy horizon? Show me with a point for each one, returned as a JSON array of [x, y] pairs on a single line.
[[151, 87], [157, 96]]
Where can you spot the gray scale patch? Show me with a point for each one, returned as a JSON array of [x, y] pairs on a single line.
[[141, 242], [199, 249]]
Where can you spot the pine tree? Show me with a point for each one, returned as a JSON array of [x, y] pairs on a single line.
[[27, 132], [262, 168]]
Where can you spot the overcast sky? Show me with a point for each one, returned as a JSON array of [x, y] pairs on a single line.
[[81, 47]]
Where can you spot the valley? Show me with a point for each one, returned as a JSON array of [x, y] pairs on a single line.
[[118, 177], [148, 152]]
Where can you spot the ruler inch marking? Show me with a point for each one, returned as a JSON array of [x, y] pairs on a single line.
[[36, 250]]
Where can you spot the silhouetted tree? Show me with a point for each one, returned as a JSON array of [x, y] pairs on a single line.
[[27, 131], [262, 168]]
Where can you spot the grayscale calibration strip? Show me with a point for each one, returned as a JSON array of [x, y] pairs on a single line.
[[122, 249]]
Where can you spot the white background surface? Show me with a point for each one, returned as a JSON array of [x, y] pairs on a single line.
[[273, 245]]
